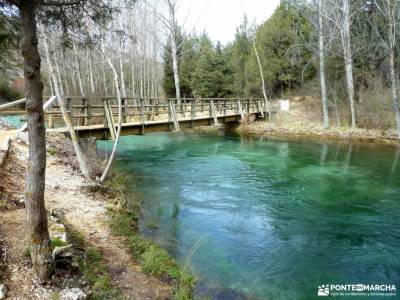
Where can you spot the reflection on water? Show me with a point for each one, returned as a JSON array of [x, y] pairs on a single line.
[[275, 219]]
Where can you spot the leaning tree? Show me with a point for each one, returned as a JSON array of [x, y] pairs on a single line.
[[68, 15]]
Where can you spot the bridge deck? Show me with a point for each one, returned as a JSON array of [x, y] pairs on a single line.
[[101, 131], [97, 116]]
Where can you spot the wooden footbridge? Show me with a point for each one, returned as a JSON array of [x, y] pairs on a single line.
[[97, 116]]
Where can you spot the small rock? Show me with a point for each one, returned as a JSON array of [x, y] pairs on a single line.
[[3, 291], [57, 231], [22, 137], [72, 294], [63, 252], [54, 219]]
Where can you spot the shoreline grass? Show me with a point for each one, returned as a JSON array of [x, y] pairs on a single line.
[[93, 268], [154, 260]]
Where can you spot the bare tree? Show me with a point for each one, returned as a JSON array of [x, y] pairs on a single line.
[[342, 19], [172, 26], [262, 78], [319, 14], [321, 51], [117, 86], [390, 11], [82, 160]]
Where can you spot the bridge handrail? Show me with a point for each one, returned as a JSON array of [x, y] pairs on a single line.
[[160, 98], [11, 104]]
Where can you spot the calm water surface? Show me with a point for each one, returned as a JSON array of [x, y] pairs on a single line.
[[15, 120], [270, 219]]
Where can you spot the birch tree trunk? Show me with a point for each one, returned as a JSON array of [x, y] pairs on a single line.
[[73, 81], [321, 50], [121, 69], [78, 71], [110, 160], [82, 160], [133, 79], [51, 86], [141, 79], [59, 75], [105, 82], [67, 90], [174, 52], [348, 59], [36, 215], [91, 74], [262, 80], [393, 76]]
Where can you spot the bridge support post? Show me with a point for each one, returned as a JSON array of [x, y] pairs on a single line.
[[88, 113], [51, 123], [213, 112], [259, 108], [240, 110], [193, 112], [142, 116], [157, 109], [109, 118], [124, 108], [173, 115], [83, 111]]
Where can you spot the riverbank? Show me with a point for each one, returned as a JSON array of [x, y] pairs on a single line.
[[266, 129], [93, 216]]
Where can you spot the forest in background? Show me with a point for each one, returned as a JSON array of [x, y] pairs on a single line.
[[154, 54]]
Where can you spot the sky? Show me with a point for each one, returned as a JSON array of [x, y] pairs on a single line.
[[220, 18]]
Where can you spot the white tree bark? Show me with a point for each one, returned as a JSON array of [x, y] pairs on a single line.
[[348, 59], [133, 79], [82, 160], [262, 80], [321, 50], [91, 74], [59, 75], [391, 16], [174, 52], [105, 82], [67, 90], [110, 160], [121, 69], [78, 71]]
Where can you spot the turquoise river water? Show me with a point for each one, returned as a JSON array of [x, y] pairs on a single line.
[[269, 219]]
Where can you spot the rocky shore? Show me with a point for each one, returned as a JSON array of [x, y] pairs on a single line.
[[266, 129]]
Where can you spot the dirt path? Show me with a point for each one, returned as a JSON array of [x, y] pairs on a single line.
[[64, 194], [89, 217]]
